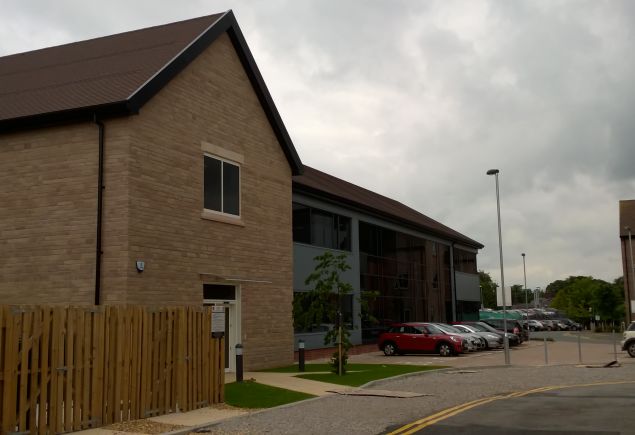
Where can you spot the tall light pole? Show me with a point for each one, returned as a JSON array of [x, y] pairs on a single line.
[[630, 281], [526, 303], [495, 172]]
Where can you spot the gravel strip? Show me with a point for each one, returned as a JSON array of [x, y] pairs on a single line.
[[374, 415]]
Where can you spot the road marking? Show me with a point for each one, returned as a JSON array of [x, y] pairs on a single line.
[[415, 426]]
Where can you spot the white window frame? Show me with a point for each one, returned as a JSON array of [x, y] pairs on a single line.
[[222, 193]]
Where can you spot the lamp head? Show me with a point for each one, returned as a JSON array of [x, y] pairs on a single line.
[[523, 254], [493, 172], [627, 228]]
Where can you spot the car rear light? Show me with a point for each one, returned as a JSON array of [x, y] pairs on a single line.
[[516, 330]]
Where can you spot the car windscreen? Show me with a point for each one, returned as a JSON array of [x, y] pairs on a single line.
[[432, 329], [487, 327], [463, 328], [631, 327], [478, 327], [451, 329]]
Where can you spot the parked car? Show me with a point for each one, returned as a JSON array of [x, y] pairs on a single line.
[[492, 339], [535, 325], [474, 341], [512, 339], [572, 326], [628, 344], [513, 326], [404, 338]]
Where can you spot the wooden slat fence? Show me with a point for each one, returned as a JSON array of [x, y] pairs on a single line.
[[64, 369]]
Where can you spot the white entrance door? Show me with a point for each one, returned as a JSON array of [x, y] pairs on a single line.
[[231, 303]]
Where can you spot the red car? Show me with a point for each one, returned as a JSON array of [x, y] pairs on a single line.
[[419, 338]]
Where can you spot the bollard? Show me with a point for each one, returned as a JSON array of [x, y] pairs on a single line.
[[239, 362], [579, 346], [546, 356], [614, 346], [301, 355]]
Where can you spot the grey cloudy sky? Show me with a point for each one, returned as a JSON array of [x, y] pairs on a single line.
[[416, 100]]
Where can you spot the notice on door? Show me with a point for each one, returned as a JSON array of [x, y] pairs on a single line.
[[218, 321]]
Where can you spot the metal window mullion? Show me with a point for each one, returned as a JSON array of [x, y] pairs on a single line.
[[222, 188]]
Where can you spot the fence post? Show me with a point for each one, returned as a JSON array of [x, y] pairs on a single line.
[[546, 356], [579, 346]]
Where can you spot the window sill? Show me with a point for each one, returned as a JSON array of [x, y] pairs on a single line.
[[227, 219]]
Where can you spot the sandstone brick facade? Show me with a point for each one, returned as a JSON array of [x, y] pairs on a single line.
[[153, 204]]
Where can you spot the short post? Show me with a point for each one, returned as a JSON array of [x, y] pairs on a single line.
[[579, 346], [239, 362], [614, 345], [546, 356], [301, 355]]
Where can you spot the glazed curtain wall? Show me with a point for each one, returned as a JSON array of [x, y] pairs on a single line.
[[410, 274]]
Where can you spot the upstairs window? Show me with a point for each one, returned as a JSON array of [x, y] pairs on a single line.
[[321, 228], [221, 186]]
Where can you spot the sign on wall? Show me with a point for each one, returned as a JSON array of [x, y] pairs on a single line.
[[218, 321]]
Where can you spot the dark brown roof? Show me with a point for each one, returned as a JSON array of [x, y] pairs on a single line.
[[93, 72], [116, 75], [627, 217], [324, 185]]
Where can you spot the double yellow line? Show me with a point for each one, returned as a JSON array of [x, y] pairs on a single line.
[[450, 412]]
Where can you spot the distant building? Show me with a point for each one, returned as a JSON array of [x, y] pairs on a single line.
[[627, 233], [421, 269]]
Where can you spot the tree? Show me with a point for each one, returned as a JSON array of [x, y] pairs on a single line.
[[488, 289], [324, 304], [578, 296], [518, 295]]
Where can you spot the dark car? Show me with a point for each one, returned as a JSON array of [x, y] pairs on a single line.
[[404, 338], [513, 326], [512, 339]]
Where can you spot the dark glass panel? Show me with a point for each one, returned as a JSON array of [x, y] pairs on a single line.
[[301, 223], [219, 292], [212, 184], [231, 189], [344, 233], [323, 229]]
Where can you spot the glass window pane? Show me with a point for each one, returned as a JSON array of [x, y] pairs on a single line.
[[231, 189], [219, 292], [322, 229], [344, 233], [301, 223], [212, 184]]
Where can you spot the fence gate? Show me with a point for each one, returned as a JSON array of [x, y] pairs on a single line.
[[64, 369]]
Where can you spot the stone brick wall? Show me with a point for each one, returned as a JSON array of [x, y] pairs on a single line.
[[153, 203], [48, 209], [212, 101]]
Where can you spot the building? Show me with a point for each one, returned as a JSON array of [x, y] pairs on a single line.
[[422, 269], [627, 232], [150, 167]]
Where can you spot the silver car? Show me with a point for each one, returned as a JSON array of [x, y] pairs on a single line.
[[477, 342], [494, 341]]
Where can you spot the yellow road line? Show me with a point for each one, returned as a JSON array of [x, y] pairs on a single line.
[[415, 426]]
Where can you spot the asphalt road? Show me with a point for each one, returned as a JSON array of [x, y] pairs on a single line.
[[340, 414], [597, 409]]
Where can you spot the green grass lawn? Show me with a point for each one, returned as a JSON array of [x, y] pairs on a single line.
[[356, 374], [250, 394]]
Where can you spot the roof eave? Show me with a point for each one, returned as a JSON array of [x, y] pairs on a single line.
[[81, 114]]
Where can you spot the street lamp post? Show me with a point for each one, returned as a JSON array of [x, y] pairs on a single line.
[[495, 172], [526, 302], [630, 281]]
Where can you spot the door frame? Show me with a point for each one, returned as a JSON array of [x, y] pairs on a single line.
[[234, 334]]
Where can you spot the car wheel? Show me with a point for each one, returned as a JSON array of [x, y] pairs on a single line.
[[390, 349], [445, 349], [631, 349]]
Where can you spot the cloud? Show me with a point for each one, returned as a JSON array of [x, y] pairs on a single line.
[[416, 100]]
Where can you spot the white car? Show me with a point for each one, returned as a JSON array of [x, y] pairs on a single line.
[[628, 344]]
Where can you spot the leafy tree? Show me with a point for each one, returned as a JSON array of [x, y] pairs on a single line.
[[577, 294], [518, 295], [488, 289], [324, 304]]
